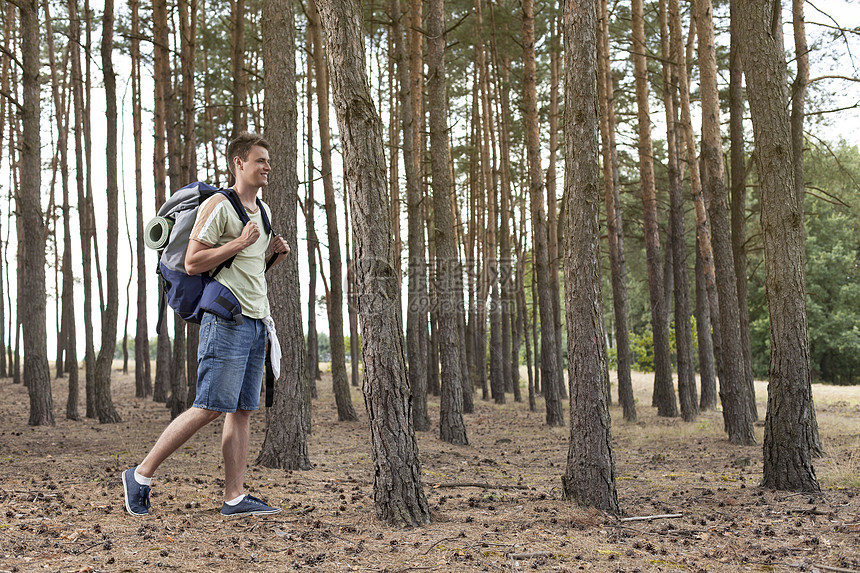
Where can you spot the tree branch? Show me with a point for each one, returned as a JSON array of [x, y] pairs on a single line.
[[846, 78], [11, 56], [823, 111], [12, 99]]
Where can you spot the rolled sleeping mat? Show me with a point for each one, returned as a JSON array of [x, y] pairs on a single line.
[[157, 233]]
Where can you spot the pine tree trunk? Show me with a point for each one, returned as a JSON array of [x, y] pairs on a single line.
[[59, 162], [37, 375], [398, 493], [735, 390], [664, 392], [5, 301], [142, 365], [161, 80], [84, 212], [677, 233], [237, 64], [452, 428], [285, 444], [589, 478], [789, 424], [488, 165], [738, 192], [707, 377], [104, 407], [416, 314], [340, 380], [506, 264], [552, 209], [614, 226], [313, 355], [552, 381], [798, 112], [188, 46], [415, 36]]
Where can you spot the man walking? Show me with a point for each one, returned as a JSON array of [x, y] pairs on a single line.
[[230, 355]]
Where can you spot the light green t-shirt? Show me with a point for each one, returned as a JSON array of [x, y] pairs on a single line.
[[217, 224]]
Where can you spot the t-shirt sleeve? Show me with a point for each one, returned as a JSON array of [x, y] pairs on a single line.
[[211, 218]]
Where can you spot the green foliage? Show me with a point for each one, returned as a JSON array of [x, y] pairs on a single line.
[[832, 269], [642, 348], [153, 349]]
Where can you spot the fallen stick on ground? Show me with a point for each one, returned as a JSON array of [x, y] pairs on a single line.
[[478, 484], [652, 517], [836, 569]]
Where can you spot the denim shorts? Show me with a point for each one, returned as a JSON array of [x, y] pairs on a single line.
[[231, 358]]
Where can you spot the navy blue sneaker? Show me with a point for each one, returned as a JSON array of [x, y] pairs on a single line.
[[250, 505], [136, 495]]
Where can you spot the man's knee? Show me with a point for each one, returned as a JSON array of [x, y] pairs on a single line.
[[241, 415], [205, 415]]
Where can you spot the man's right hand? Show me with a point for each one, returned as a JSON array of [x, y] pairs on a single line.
[[250, 234]]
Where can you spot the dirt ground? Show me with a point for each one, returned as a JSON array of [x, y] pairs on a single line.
[[61, 503]]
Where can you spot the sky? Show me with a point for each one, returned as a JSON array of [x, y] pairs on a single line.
[[833, 59]]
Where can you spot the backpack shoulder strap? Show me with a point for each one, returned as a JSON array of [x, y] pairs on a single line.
[[234, 200], [231, 196], [267, 225]]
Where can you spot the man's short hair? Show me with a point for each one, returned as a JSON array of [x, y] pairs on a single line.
[[241, 146]]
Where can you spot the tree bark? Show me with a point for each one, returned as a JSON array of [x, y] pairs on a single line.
[[104, 407], [188, 46], [798, 113], [506, 263], [550, 369], [589, 478], [614, 226], [340, 380], [451, 426], [142, 365], [285, 444], [5, 297], [789, 421], [736, 390], [161, 80], [85, 192], [664, 392], [398, 493], [417, 303], [677, 232], [237, 66], [313, 355], [37, 375], [66, 346], [707, 376], [552, 206], [738, 192]]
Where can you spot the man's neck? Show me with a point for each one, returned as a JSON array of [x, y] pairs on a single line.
[[247, 194]]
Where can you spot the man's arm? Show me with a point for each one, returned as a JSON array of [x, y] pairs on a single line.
[[202, 258]]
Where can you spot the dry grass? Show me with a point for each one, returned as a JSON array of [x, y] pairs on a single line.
[[61, 506]]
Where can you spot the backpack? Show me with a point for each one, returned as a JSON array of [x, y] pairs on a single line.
[[169, 232]]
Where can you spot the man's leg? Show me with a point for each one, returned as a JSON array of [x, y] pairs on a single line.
[[234, 445], [177, 433], [136, 481]]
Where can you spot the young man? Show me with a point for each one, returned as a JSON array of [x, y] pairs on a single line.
[[230, 355]]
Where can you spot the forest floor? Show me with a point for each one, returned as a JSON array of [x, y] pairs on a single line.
[[61, 502]]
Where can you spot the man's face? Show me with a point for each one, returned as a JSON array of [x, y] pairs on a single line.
[[255, 170]]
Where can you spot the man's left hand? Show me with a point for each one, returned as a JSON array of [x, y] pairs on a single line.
[[280, 246]]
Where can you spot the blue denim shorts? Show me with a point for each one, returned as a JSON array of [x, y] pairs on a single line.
[[231, 360]]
